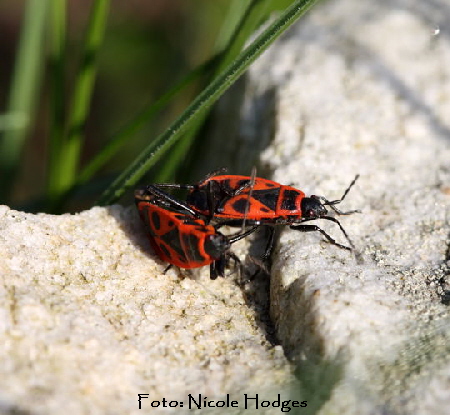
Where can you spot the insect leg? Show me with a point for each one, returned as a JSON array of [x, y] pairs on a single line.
[[315, 228], [159, 194]]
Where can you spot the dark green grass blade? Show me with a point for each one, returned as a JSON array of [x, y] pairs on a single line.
[[126, 132], [24, 88], [57, 58], [65, 170], [243, 18], [204, 100], [241, 21]]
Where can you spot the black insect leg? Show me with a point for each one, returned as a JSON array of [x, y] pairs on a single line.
[[315, 228], [260, 264], [217, 268], [270, 242], [236, 223], [242, 235], [169, 199], [237, 264], [212, 189], [191, 186]]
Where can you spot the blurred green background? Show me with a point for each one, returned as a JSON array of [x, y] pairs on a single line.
[[148, 45], [95, 94]]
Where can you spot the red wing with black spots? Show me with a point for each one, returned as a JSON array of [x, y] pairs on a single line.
[[232, 197], [177, 238]]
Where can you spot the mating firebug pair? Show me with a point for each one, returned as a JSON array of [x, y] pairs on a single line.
[[181, 232], [181, 236]]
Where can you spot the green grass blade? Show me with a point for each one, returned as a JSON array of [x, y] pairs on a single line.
[[231, 39], [57, 107], [24, 87], [179, 152], [123, 136], [66, 170], [243, 19], [248, 23], [236, 11], [204, 100], [249, 20], [126, 132]]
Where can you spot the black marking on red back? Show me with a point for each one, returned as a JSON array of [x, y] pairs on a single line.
[[155, 220], [267, 197], [191, 243], [288, 201], [166, 252], [198, 199], [240, 205], [172, 239], [144, 213]]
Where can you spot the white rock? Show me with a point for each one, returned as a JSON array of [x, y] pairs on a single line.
[[363, 88], [88, 320]]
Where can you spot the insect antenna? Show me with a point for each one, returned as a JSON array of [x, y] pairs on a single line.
[[332, 203]]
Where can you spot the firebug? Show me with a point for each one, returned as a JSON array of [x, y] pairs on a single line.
[[181, 237], [261, 201]]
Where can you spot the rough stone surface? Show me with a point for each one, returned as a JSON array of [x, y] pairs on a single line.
[[88, 320], [364, 87]]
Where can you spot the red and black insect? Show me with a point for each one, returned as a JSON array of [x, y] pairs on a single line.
[[261, 201], [181, 237]]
